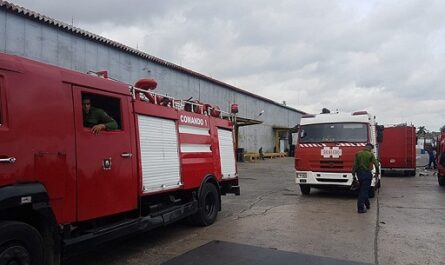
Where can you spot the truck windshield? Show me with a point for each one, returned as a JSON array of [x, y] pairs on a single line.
[[334, 132]]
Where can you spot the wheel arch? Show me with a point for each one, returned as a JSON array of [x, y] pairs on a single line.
[[29, 204]]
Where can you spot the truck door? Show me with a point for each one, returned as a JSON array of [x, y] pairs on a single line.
[[105, 181], [8, 152]]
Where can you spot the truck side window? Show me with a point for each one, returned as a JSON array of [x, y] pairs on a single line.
[[99, 109]]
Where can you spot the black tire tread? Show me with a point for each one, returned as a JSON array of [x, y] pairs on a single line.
[[441, 180], [13, 232], [305, 189], [201, 218]]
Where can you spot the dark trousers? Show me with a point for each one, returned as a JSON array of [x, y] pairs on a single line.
[[364, 178], [432, 161]]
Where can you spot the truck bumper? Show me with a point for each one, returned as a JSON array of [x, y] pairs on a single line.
[[326, 179], [230, 186]]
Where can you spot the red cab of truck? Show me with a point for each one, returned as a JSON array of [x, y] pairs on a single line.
[[398, 150], [64, 189]]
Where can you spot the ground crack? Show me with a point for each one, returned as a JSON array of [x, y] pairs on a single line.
[[258, 200], [376, 236], [414, 208], [256, 214]]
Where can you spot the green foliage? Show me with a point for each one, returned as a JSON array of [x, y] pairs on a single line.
[[421, 130]]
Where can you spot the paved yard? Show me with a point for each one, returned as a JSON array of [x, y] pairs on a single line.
[[406, 224]]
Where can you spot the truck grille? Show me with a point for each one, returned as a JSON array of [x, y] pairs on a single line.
[[332, 180], [331, 164]]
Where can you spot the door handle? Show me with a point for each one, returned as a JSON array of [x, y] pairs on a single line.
[[126, 155], [10, 160]]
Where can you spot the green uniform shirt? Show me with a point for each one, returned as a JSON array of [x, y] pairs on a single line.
[[364, 161], [98, 116]]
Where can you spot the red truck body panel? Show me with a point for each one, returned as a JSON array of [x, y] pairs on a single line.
[[398, 149]]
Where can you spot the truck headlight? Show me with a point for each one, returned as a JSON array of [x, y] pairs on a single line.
[[301, 175]]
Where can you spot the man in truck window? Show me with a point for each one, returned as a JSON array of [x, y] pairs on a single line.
[[363, 164], [96, 118]]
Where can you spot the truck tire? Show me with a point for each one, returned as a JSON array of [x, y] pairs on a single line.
[[20, 244], [441, 179], [305, 189], [209, 205], [412, 173]]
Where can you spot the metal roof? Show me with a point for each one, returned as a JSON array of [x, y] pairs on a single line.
[[86, 34]]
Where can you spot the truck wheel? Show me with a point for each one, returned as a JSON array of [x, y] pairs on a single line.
[[441, 179], [371, 193], [412, 173], [305, 189], [209, 205], [20, 244]]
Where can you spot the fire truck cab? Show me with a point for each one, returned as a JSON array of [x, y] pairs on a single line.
[[326, 148]]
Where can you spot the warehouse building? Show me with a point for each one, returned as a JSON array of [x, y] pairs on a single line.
[[261, 121]]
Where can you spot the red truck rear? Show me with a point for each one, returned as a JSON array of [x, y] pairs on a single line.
[[398, 150]]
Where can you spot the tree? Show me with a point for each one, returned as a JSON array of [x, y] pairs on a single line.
[[421, 130], [442, 129]]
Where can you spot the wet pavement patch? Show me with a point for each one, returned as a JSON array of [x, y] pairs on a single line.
[[222, 253]]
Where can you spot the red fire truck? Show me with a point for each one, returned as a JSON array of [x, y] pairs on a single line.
[[441, 160], [63, 188], [327, 145], [398, 150]]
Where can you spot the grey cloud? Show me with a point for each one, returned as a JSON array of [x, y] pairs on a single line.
[[384, 56]]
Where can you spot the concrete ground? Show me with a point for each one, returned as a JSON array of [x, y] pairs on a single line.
[[406, 223]]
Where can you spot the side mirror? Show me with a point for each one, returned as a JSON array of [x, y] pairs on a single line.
[[380, 130], [295, 129], [302, 134]]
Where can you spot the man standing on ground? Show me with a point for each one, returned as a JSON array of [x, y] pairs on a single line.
[[363, 164]]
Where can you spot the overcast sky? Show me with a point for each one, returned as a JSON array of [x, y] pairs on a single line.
[[387, 57]]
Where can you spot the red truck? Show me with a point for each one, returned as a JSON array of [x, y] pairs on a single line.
[[441, 160], [327, 144], [63, 188], [398, 149]]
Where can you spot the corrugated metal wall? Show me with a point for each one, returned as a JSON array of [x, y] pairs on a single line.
[[26, 37]]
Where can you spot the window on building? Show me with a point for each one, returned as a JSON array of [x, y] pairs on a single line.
[[99, 109]]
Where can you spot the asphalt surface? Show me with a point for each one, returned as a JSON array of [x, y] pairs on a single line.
[[405, 225]]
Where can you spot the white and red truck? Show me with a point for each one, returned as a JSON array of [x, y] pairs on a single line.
[[326, 148], [64, 188]]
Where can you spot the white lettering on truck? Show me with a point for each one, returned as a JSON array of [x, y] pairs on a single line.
[[192, 120], [333, 152]]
